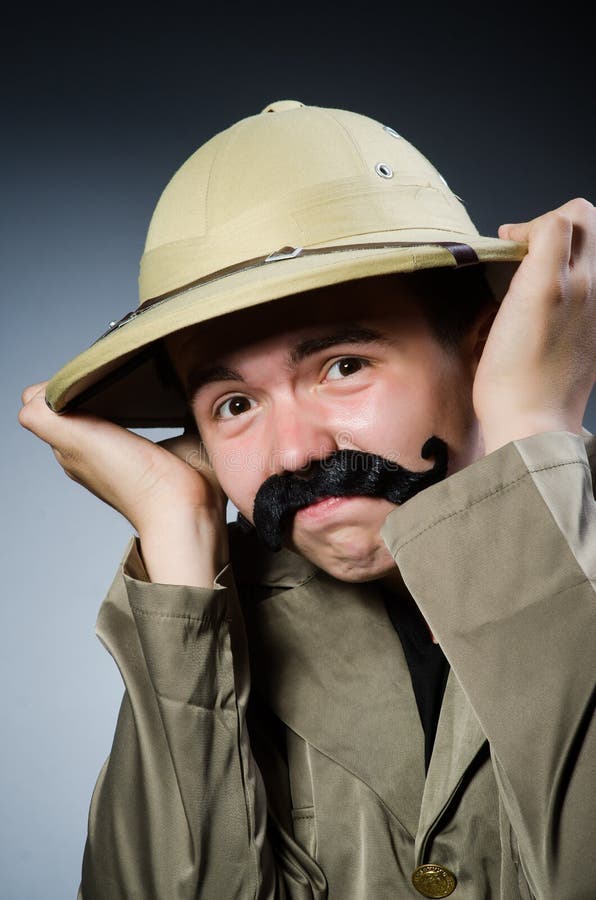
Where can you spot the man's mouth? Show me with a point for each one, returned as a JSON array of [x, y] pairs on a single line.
[[331, 503], [322, 506], [343, 477]]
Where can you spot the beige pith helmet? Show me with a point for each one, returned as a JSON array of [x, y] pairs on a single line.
[[294, 198]]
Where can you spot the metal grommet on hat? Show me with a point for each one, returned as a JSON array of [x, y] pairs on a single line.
[[384, 170]]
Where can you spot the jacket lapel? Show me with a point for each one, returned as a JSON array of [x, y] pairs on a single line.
[[326, 659], [458, 740]]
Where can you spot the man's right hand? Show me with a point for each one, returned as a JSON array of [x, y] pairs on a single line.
[[167, 491]]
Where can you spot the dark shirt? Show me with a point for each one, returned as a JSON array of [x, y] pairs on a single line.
[[426, 662]]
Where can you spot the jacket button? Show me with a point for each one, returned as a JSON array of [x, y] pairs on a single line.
[[433, 881]]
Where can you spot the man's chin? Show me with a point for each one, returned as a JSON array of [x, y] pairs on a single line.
[[373, 566], [344, 540]]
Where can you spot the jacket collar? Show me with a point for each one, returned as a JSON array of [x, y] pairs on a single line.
[[326, 659], [254, 565], [328, 662]]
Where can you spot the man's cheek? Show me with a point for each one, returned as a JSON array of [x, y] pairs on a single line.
[[231, 482]]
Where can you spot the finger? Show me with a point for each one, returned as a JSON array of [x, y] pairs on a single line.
[[578, 211], [543, 274], [31, 390], [62, 431], [35, 415], [582, 251], [562, 250], [583, 245], [505, 231]]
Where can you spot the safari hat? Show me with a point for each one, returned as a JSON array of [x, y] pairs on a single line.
[[295, 198]]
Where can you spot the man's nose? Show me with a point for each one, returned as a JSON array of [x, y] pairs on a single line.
[[300, 441]]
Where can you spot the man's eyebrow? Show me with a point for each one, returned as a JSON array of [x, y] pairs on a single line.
[[347, 335], [198, 377]]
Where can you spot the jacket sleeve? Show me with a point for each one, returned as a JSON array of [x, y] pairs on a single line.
[[501, 558], [179, 810]]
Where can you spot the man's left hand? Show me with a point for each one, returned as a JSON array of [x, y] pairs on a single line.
[[538, 366]]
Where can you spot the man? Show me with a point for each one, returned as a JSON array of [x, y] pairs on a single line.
[[399, 423]]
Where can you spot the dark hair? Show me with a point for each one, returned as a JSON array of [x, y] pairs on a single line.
[[452, 299]]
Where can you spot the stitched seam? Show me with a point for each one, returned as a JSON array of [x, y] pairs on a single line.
[[310, 816], [356, 149], [500, 490], [187, 617], [546, 466], [217, 156]]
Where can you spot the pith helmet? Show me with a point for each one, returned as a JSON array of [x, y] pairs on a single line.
[[294, 198]]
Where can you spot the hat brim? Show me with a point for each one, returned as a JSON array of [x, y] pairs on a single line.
[[119, 377]]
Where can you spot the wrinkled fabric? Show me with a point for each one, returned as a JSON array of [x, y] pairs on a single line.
[[269, 745]]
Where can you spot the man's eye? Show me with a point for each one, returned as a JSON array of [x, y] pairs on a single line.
[[345, 366], [234, 406]]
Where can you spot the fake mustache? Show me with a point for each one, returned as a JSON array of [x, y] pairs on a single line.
[[342, 474]]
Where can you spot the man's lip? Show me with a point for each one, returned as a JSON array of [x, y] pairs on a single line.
[[323, 506]]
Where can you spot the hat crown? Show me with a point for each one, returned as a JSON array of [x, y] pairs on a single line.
[[292, 175]]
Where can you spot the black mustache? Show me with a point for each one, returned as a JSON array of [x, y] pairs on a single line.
[[343, 473]]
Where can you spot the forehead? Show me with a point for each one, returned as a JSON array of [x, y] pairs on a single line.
[[285, 322]]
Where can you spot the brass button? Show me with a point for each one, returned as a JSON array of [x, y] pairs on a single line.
[[434, 881]]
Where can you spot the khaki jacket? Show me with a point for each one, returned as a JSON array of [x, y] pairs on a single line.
[[313, 786]]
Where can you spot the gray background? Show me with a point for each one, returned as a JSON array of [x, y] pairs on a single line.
[[98, 111]]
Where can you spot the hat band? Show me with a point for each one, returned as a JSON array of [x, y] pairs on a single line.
[[463, 254], [315, 216]]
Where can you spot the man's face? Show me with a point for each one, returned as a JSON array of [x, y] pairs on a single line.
[[366, 373]]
